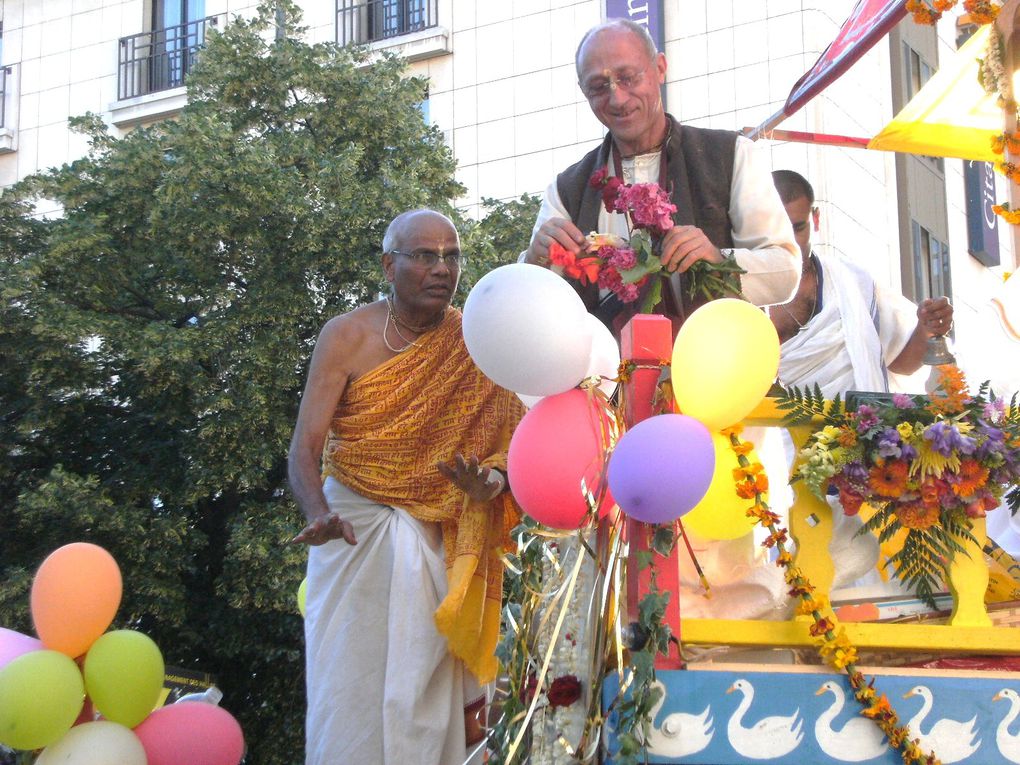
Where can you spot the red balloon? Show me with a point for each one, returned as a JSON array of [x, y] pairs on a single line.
[[560, 441], [191, 732]]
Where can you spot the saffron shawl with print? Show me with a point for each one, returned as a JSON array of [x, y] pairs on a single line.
[[390, 429]]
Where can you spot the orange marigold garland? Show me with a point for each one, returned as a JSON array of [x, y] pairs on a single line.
[[833, 644], [1008, 215], [980, 11]]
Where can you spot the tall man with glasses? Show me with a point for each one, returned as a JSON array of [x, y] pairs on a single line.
[[406, 532], [726, 205]]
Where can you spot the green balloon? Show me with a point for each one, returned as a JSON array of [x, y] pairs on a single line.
[[41, 695], [124, 674], [302, 595]]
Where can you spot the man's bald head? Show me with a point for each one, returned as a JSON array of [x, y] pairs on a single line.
[[397, 231], [616, 25]]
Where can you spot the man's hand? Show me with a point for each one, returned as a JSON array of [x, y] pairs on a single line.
[[555, 229], [935, 316], [685, 245], [325, 528], [479, 483]]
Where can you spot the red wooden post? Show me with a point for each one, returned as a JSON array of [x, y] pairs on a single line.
[[647, 340]]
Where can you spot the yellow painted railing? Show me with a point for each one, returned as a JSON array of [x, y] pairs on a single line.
[[969, 630]]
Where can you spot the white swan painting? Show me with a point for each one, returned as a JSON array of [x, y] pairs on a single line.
[[952, 740], [767, 739], [858, 739], [1008, 743], [681, 734]]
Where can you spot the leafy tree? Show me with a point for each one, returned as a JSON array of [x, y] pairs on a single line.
[[496, 239], [157, 333]]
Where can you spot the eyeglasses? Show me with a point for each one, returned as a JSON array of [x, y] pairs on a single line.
[[601, 88], [429, 258]]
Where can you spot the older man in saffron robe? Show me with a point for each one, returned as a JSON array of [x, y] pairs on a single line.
[[406, 530]]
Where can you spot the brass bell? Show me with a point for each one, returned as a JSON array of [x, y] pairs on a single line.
[[936, 352]]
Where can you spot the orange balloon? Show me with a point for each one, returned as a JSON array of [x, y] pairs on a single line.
[[75, 595]]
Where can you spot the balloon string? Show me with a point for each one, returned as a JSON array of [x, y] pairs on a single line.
[[694, 559]]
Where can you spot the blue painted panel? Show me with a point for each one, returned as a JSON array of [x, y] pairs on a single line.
[[807, 718]]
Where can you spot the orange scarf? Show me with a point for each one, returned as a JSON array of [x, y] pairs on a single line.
[[392, 426]]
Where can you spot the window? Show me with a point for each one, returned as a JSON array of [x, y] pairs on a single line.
[[363, 21], [932, 276], [161, 59], [918, 72]]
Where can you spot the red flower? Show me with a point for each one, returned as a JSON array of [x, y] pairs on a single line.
[[584, 269], [527, 691], [851, 502], [610, 192], [598, 178], [564, 691]]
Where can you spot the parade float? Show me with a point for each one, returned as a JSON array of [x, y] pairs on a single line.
[[641, 625]]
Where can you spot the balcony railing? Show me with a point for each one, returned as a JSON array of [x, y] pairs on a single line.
[[364, 21], [5, 73], [159, 60]]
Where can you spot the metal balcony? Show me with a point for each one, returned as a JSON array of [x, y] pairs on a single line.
[[365, 21], [160, 60]]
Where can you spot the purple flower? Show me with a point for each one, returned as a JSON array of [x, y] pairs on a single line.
[[908, 452], [903, 401], [995, 441], [866, 418], [995, 410], [855, 472], [945, 438], [889, 443]]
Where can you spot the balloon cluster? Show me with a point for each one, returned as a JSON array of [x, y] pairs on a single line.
[[86, 696], [528, 330]]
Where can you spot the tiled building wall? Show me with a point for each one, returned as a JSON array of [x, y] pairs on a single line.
[[506, 98]]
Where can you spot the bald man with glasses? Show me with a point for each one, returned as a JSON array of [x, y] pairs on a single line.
[[726, 204]]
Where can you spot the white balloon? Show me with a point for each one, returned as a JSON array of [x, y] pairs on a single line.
[[605, 356], [604, 360], [95, 743], [527, 330]]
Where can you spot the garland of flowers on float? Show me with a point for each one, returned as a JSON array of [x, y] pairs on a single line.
[[980, 11], [833, 644]]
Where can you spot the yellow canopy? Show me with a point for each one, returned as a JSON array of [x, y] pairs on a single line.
[[951, 115]]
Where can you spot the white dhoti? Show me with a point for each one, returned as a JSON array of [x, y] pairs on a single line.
[[382, 687]]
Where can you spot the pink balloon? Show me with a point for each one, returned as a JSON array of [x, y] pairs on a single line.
[[191, 732], [558, 443], [14, 644]]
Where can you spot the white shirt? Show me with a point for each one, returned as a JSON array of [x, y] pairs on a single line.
[[762, 235]]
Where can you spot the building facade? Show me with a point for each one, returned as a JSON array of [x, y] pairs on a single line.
[[502, 88]]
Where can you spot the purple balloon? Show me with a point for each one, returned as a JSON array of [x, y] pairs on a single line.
[[14, 644], [662, 467]]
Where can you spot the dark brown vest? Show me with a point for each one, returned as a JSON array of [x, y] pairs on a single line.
[[699, 169]]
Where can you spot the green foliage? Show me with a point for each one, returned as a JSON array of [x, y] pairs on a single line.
[[632, 708], [156, 335], [805, 406], [496, 239], [923, 561]]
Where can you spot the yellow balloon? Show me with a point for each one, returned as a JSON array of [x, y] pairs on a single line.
[[302, 595], [721, 514], [725, 358], [41, 695], [124, 674]]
